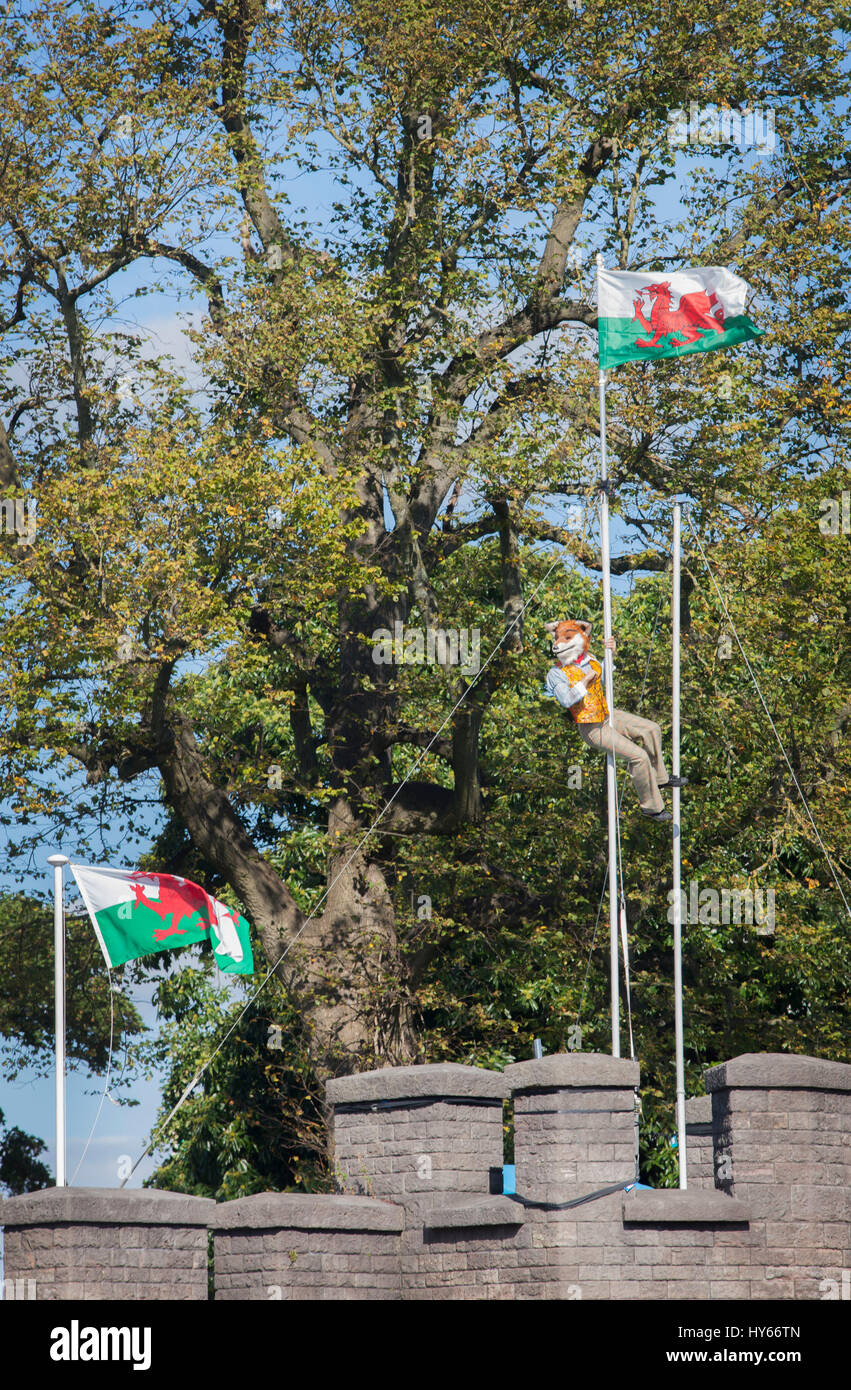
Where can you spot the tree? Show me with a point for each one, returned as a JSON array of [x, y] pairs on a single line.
[[257, 1123], [397, 402], [20, 1168]]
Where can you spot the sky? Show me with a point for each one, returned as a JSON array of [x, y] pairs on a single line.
[[122, 1132]]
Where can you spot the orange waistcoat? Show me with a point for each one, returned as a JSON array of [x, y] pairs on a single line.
[[593, 709]]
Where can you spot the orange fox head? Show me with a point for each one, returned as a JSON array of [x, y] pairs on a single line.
[[570, 639]]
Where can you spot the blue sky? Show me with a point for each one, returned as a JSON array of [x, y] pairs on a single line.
[[30, 1102]]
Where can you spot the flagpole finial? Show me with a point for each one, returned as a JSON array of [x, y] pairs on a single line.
[[601, 261], [56, 860]]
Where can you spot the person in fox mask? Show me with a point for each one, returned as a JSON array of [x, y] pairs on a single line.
[[577, 683]]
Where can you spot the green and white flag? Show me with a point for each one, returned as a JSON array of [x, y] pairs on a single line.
[[137, 914], [647, 316]]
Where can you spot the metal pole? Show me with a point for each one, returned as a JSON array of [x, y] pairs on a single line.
[[611, 785], [58, 861], [677, 845]]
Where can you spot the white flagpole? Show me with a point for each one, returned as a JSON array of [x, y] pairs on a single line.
[[677, 845], [611, 784], [58, 861]]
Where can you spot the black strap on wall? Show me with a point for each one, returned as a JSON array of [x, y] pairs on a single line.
[[575, 1202], [365, 1106]]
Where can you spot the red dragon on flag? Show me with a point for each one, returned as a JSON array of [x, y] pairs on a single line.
[[689, 321], [177, 899], [136, 914]]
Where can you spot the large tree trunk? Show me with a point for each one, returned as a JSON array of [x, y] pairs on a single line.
[[361, 1008], [341, 967], [466, 726]]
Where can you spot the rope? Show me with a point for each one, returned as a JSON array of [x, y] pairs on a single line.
[[193, 1083], [637, 1108], [106, 1083], [622, 911], [593, 943], [621, 786], [768, 715]]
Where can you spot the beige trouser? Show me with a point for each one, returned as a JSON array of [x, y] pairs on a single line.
[[647, 769]]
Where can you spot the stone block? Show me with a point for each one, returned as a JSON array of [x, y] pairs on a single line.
[[774, 1071], [729, 1288], [412, 1083], [669, 1205], [305, 1212], [78, 1206]]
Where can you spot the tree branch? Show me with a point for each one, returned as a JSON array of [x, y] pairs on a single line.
[[68, 307], [237, 23], [204, 274]]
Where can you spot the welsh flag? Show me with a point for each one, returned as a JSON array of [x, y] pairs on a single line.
[[138, 914], [646, 316]]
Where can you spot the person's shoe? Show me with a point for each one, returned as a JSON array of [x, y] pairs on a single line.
[[658, 815], [673, 782]]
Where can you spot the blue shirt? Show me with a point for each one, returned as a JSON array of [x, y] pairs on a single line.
[[558, 687]]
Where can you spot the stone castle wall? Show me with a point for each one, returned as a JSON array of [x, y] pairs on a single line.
[[767, 1213]]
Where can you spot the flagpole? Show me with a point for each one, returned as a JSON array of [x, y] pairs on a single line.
[[58, 861], [611, 784], [677, 845]]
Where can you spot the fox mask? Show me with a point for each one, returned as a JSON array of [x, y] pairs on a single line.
[[570, 640]]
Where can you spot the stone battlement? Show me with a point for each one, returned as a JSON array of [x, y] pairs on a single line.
[[767, 1213]]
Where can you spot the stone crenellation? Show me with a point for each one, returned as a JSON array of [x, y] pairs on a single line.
[[767, 1213], [95, 1243]]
